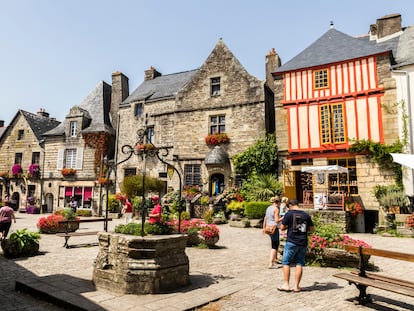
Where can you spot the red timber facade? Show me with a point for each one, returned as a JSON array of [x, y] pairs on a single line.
[[336, 91]]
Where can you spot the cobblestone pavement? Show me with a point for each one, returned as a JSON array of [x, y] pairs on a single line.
[[234, 275]]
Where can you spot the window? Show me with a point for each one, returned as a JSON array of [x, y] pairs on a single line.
[[346, 182], [70, 158], [130, 172], [18, 158], [192, 174], [138, 110], [73, 128], [320, 78], [217, 124], [35, 157], [215, 86], [332, 124], [20, 134], [150, 134]]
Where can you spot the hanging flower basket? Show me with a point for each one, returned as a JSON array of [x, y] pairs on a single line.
[[144, 148], [17, 170], [105, 181], [34, 170], [217, 139]]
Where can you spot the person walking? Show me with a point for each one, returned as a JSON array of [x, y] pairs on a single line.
[[272, 219], [298, 225], [6, 217]]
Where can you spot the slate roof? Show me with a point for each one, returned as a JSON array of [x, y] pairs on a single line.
[[216, 156], [39, 124], [405, 50], [96, 106], [161, 87], [334, 46]]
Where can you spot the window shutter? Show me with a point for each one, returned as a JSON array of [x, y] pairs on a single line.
[[79, 158], [60, 157]]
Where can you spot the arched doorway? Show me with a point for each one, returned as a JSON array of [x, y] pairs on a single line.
[[216, 184], [49, 202]]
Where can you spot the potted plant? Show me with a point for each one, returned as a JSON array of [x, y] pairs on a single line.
[[391, 199], [21, 243], [209, 234]]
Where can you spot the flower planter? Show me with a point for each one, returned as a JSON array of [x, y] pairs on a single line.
[[11, 249], [208, 241], [71, 226]]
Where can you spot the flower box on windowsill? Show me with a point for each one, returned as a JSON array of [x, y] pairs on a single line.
[[217, 139], [68, 172]]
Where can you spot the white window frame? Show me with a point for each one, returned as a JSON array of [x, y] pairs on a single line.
[[73, 128]]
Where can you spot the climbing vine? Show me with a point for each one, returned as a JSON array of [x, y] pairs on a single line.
[[98, 141]]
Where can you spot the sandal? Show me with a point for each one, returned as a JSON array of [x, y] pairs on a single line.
[[282, 289]]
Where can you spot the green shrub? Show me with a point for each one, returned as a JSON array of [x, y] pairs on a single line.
[[67, 213], [84, 212], [255, 210], [131, 228], [158, 228], [235, 207], [113, 204], [208, 216]]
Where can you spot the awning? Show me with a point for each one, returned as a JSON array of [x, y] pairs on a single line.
[[324, 169], [404, 159]]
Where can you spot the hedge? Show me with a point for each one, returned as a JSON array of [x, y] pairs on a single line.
[[255, 210]]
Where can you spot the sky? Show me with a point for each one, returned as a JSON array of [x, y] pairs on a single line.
[[54, 53]]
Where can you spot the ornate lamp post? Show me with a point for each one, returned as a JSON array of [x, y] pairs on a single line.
[[144, 148]]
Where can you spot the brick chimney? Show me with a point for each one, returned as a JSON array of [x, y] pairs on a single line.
[[42, 112], [151, 74], [120, 91], [386, 25], [272, 63]]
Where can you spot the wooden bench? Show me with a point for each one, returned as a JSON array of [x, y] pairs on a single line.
[[362, 279], [67, 235]]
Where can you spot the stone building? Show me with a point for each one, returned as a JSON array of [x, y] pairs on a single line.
[[75, 152], [22, 157], [180, 110], [337, 90]]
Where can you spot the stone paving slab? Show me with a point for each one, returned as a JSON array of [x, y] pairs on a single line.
[[235, 275]]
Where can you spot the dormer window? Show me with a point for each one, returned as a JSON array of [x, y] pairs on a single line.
[[138, 110], [73, 128], [320, 79], [215, 86]]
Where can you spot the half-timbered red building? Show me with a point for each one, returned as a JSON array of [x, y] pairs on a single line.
[[336, 91]]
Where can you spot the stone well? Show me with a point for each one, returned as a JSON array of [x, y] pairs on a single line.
[[130, 264]]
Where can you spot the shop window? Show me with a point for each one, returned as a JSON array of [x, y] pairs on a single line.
[[344, 182]]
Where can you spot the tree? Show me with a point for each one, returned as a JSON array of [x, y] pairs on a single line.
[[132, 185], [260, 158]]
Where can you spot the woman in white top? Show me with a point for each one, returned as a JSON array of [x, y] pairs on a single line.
[[272, 218]]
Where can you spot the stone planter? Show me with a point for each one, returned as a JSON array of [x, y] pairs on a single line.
[[210, 242], [11, 249], [243, 223], [130, 264]]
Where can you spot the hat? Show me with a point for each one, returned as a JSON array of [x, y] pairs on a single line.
[[285, 199], [155, 198]]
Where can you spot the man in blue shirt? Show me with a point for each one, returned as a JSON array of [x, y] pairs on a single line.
[[298, 225]]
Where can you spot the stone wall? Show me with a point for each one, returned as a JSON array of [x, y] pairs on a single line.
[[141, 265]]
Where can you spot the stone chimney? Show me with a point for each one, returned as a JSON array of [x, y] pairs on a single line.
[[1, 123], [386, 25], [42, 112], [272, 63], [151, 74], [120, 91]]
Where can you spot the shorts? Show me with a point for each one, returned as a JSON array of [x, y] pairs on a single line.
[[275, 239], [294, 254]]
